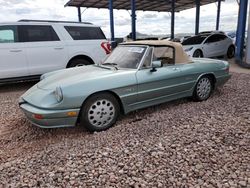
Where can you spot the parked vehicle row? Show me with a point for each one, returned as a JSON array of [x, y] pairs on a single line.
[[29, 49], [209, 45]]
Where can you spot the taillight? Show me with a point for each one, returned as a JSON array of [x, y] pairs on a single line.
[[107, 47]]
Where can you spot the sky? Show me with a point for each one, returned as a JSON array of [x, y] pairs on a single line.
[[152, 23]]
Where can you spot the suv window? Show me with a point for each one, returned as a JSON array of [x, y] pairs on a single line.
[[85, 33], [8, 34], [215, 38], [37, 33]]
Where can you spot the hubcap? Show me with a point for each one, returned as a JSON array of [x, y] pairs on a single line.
[[204, 88], [101, 113]]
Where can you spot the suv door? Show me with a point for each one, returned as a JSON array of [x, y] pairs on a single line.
[[45, 51], [13, 61]]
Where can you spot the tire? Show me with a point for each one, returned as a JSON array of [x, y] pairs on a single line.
[[78, 63], [230, 52], [203, 89], [99, 112], [197, 53]]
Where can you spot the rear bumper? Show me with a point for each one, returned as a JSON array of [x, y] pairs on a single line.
[[50, 118], [221, 80]]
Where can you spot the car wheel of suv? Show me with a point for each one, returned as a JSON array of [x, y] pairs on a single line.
[[197, 53], [203, 89], [78, 63], [231, 52], [99, 112]]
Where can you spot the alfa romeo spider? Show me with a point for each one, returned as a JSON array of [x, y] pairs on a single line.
[[136, 75]]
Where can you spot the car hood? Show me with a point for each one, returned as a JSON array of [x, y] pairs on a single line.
[[73, 75]]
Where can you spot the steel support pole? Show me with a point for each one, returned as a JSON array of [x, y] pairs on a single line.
[[133, 17], [197, 19], [111, 17], [241, 28], [79, 14], [172, 18], [218, 15]]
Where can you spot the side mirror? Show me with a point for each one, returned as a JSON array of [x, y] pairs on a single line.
[[155, 64]]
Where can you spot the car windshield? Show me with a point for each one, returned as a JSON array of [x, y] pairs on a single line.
[[194, 40], [125, 57]]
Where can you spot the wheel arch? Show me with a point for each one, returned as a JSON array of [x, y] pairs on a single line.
[[122, 110], [85, 57], [199, 49], [210, 75]]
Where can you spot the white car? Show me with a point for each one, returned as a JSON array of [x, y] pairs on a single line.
[[29, 49], [209, 45]]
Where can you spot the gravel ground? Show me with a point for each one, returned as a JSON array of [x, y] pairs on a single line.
[[177, 144]]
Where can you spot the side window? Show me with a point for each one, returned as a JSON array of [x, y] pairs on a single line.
[[213, 38], [222, 37], [85, 33], [37, 33], [8, 34], [164, 54], [148, 58]]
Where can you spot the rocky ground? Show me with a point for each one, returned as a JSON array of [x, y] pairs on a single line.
[[177, 144]]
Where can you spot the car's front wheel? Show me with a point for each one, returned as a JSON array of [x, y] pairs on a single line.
[[203, 89], [99, 112], [197, 53]]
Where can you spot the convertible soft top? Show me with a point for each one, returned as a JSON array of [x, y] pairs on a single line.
[[180, 55]]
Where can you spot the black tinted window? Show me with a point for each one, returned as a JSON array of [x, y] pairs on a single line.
[[194, 40], [215, 38], [85, 33], [8, 34], [35, 33]]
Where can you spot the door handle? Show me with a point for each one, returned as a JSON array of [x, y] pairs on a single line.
[[16, 50], [58, 48]]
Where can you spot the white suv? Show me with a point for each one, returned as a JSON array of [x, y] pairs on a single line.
[[29, 48]]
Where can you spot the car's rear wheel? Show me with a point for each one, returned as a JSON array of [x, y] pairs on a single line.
[[197, 53], [78, 63], [99, 112], [203, 88], [231, 52]]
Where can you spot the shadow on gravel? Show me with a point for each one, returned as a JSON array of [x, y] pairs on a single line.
[[18, 86]]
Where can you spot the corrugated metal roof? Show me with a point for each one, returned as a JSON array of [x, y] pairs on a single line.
[[144, 5]]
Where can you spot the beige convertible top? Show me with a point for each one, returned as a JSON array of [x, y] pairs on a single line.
[[180, 55]]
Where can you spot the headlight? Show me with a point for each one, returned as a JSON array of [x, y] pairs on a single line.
[[58, 94], [188, 49]]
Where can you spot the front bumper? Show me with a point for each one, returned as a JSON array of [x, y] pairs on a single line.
[[50, 118]]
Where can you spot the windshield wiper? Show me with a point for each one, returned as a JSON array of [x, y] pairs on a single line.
[[112, 64]]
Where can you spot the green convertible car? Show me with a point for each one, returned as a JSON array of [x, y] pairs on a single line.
[[136, 75]]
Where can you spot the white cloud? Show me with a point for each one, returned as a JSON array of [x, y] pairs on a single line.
[[147, 22]]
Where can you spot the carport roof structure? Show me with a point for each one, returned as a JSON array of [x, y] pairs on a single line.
[[144, 5]]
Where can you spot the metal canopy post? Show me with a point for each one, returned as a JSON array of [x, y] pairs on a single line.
[[111, 17], [218, 15], [241, 28], [79, 14], [133, 17], [172, 18], [197, 20]]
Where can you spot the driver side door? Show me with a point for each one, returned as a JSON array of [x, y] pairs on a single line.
[[157, 86]]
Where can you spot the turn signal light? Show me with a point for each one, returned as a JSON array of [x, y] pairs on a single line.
[[72, 114]]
